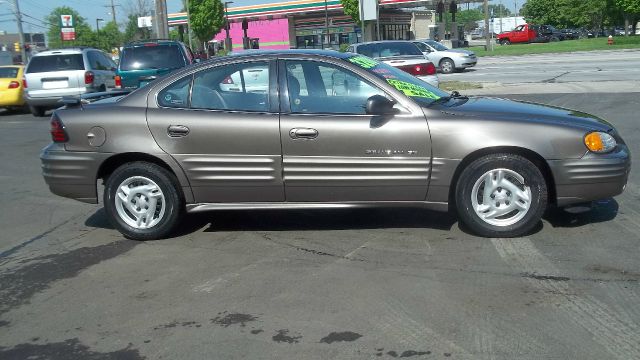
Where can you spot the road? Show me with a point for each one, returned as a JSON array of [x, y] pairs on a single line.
[[343, 284], [604, 66]]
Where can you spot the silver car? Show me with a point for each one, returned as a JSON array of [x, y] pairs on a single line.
[[401, 54], [447, 60], [323, 129], [51, 75]]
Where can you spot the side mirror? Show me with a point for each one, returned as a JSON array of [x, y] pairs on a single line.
[[380, 105]]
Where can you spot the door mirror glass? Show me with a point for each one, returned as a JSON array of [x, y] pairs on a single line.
[[380, 105]]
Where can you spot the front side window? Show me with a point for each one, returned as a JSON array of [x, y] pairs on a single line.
[[320, 88], [234, 87]]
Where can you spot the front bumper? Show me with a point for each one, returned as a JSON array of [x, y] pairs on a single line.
[[592, 177], [463, 63], [71, 174]]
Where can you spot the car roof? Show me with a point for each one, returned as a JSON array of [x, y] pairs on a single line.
[[383, 42], [76, 50], [153, 41], [316, 52]]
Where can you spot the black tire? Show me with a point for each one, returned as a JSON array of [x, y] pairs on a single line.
[[505, 42], [37, 111], [533, 178], [168, 184], [447, 66]]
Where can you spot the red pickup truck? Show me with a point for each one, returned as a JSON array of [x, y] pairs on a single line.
[[525, 34]]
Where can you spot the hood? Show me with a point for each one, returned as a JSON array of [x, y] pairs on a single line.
[[493, 108]]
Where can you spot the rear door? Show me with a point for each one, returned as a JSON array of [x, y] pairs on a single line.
[[58, 74], [224, 131], [334, 152]]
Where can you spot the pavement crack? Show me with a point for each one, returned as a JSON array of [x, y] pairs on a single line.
[[553, 79]]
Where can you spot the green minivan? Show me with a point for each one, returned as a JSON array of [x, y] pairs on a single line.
[[144, 61]]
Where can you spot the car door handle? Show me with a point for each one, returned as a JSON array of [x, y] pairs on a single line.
[[177, 130], [303, 133]]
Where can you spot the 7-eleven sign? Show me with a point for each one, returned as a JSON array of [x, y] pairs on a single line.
[[66, 21]]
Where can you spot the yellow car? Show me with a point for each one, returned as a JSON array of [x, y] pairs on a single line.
[[11, 88]]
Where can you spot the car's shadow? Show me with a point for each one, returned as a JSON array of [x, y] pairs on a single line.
[[353, 219]]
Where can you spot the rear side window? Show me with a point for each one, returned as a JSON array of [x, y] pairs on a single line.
[[8, 72], [151, 57], [60, 62], [176, 95], [387, 49]]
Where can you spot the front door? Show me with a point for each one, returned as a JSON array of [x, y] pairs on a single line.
[[222, 125], [334, 152]]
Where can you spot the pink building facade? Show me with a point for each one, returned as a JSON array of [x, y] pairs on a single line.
[[273, 34]]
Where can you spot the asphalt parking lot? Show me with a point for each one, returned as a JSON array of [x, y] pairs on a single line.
[[340, 284]]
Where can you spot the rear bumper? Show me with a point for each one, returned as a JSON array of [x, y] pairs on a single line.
[[593, 177], [11, 98], [71, 174]]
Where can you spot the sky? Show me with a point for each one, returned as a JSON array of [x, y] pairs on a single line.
[[34, 11]]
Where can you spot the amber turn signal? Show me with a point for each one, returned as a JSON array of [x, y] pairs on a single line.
[[599, 142]]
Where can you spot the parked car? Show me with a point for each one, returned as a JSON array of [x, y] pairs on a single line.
[[145, 61], [404, 55], [11, 89], [334, 130], [571, 34], [552, 33], [446, 59], [52, 74]]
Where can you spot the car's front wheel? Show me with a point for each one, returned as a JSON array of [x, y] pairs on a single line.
[[501, 195], [37, 111], [447, 66], [143, 201]]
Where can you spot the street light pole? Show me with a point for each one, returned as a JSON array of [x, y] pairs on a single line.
[[188, 24], [227, 26], [98, 24]]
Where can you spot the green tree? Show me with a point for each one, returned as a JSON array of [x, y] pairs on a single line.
[[132, 32], [469, 18], [84, 34], [206, 18], [108, 37], [541, 11], [497, 10], [631, 10], [350, 7]]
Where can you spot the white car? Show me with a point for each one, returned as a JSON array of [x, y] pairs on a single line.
[[446, 59], [404, 55]]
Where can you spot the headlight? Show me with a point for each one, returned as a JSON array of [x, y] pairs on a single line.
[[599, 142]]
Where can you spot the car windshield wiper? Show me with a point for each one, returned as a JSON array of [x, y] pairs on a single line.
[[444, 99]]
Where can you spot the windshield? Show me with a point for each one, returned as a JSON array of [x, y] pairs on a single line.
[[388, 49], [436, 45], [47, 63], [151, 57], [418, 90], [9, 72]]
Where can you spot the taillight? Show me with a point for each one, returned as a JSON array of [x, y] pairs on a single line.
[[24, 82], [88, 78], [227, 80], [14, 85], [58, 132], [419, 69], [118, 80]]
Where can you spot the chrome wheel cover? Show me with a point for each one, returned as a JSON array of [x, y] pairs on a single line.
[[500, 197], [446, 66], [140, 202]]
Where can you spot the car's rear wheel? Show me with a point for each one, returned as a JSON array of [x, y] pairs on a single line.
[[37, 110], [505, 42], [143, 201], [447, 66], [501, 195]]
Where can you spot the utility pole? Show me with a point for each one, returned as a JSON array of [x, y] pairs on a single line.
[[487, 36], [113, 11], [23, 52], [188, 24], [162, 28]]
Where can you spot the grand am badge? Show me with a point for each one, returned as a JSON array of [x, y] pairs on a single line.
[[390, 152]]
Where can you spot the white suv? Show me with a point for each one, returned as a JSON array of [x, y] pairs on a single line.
[[52, 74]]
